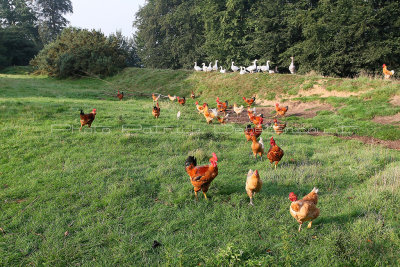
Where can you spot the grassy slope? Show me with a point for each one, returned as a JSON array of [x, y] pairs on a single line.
[[352, 111], [116, 192]]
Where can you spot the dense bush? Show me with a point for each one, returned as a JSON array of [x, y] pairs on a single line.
[[80, 52]]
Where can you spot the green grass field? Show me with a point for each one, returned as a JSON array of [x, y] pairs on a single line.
[[102, 197]]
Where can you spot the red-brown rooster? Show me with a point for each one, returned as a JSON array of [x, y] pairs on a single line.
[[87, 119], [181, 100], [221, 106], [305, 209], [201, 176], [275, 153], [249, 101], [281, 110], [120, 95], [156, 111]]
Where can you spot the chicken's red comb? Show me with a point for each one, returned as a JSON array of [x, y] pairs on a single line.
[[197, 102], [276, 104], [94, 110], [214, 156], [275, 120], [244, 98], [256, 172], [384, 65]]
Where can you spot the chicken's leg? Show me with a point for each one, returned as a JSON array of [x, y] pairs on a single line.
[[251, 202], [309, 224], [300, 227], [195, 194], [205, 196]]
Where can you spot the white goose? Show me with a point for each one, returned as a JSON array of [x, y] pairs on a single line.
[[204, 67], [209, 67], [197, 68], [216, 65], [273, 71], [253, 67], [222, 70], [242, 70], [292, 67], [234, 68], [266, 67]]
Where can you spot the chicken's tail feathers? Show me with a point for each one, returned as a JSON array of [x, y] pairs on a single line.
[[262, 143], [315, 190], [82, 112], [392, 72]]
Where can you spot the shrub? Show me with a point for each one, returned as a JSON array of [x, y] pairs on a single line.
[[79, 52]]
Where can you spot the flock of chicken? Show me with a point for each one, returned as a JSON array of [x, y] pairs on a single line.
[[201, 176], [302, 210], [243, 70]]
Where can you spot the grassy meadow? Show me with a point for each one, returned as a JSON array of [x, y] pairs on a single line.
[[102, 196]]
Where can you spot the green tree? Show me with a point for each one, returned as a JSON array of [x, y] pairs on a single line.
[[51, 14], [19, 37], [169, 33]]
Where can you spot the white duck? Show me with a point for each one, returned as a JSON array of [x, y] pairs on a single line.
[[253, 67], [292, 67], [266, 67], [197, 68], [204, 67], [216, 65], [209, 67], [222, 70], [234, 68], [242, 70]]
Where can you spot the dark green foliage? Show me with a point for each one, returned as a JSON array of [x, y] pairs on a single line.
[[51, 13], [81, 52], [333, 37], [19, 37]]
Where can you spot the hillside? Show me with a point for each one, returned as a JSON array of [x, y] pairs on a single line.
[[102, 196], [366, 105]]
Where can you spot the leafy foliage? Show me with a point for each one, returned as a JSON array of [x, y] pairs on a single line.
[[79, 52], [332, 37], [51, 13], [19, 38]]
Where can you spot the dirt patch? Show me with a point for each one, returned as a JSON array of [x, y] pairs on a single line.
[[375, 141], [393, 119], [395, 100], [296, 108], [322, 92], [365, 139]]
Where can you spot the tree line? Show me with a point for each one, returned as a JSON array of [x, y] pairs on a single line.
[[27, 25], [332, 37]]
